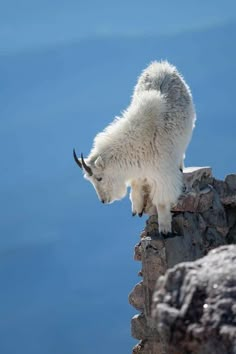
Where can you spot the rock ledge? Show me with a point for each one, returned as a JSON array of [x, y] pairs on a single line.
[[203, 219]]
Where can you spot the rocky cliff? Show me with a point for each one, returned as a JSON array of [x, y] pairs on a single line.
[[194, 305], [203, 219]]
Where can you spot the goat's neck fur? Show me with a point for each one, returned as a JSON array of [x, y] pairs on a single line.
[[122, 145]]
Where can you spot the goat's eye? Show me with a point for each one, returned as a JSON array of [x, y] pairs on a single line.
[[99, 179]]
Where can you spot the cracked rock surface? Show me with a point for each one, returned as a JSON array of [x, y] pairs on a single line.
[[194, 305], [203, 219]]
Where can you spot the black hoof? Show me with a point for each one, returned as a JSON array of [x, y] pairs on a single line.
[[140, 214], [134, 213], [166, 235], [169, 235]]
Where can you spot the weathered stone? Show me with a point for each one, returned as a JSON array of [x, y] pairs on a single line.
[[231, 237], [136, 297], [215, 215], [188, 246], [139, 348], [195, 202], [153, 265], [149, 346], [203, 219], [229, 200], [230, 180], [153, 258], [226, 190], [139, 328], [137, 252], [194, 305], [220, 187], [197, 177]]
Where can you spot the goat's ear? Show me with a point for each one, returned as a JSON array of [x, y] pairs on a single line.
[[99, 163]]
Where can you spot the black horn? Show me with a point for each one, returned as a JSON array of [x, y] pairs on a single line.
[[76, 159], [86, 167]]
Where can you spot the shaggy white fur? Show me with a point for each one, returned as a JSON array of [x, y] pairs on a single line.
[[145, 147]]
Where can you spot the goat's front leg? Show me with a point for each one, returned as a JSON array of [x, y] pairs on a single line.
[[137, 197], [141, 197]]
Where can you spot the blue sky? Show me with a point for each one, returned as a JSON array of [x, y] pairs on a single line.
[[67, 69], [30, 24]]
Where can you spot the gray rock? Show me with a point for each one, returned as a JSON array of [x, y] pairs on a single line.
[[136, 297], [194, 305], [195, 201], [149, 346], [197, 177], [226, 190], [139, 327], [203, 219], [230, 180]]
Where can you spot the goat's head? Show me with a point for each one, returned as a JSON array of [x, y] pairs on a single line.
[[109, 187]]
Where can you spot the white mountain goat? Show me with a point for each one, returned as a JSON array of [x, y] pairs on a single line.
[[145, 147]]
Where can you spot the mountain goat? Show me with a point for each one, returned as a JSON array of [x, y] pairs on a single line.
[[144, 148]]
